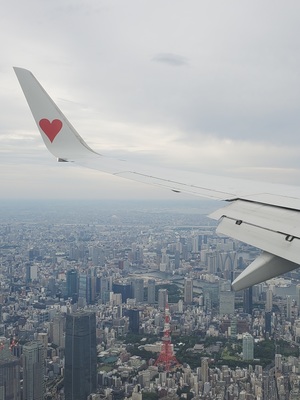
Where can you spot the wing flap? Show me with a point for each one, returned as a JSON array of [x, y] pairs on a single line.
[[270, 241], [268, 217]]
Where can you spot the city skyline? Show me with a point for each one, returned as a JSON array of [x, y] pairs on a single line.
[[72, 282], [184, 88]]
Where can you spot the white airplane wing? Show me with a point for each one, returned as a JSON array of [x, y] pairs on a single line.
[[263, 215]]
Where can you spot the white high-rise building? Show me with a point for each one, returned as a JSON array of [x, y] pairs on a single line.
[[248, 346]]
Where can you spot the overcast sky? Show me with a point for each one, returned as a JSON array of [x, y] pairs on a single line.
[[210, 86]]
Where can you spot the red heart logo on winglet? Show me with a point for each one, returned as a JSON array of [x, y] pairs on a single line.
[[51, 129]]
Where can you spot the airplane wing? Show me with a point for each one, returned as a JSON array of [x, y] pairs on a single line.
[[263, 215]]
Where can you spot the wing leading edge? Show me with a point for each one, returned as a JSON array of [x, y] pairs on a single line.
[[256, 214]]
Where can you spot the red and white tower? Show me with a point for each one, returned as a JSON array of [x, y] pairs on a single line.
[[166, 358]]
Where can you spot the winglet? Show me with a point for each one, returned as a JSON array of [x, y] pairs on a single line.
[[264, 267], [58, 134]]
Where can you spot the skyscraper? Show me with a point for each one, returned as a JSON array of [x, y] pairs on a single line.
[[288, 308], [248, 300], [298, 297], [248, 347], [138, 290], [134, 320], [268, 323], [226, 302], [204, 369], [151, 291], [9, 373], [58, 330], [269, 302], [80, 355], [72, 283], [123, 288], [82, 289], [188, 291], [162, 298], [33, 371]]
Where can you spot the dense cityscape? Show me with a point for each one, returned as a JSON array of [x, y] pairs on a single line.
[[115, 300]]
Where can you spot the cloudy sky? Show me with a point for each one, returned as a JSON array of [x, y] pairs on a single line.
[[210, 86]]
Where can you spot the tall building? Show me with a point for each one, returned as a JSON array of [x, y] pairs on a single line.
[[33, 371], [124, 289], [105, 288], [248, 347], [80, 355], [82, 289], [226, 303], [248, 300], [138, 290], [31, 273], [269, 300], [162, 298], [58, 330], [72, 283], [188, 291], [134, 320], [278, 362], [268, 323], [233, 327], [288, 308], [151, 291], [298, 297], [9, 373], [204, 369]]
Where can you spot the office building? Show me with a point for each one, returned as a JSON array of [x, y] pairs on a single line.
[[33, 371], [268, 323], [188, 291], [226, 306], [248, 347], [151, 291], [162, 298], [9, 373], [288, 308], [124, 289], [248, 301], [80, 355], [269, 300], [134, 320], [72, 284], [204, 369], [138, 290], [298, 297], [58, 330], [82, 289]]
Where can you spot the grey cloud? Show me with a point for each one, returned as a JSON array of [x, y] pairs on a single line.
[[232, 82], [174, 60]]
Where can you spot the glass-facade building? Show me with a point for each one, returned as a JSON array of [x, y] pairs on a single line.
[[80, 355]]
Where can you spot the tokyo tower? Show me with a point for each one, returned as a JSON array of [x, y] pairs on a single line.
[[166, 359]]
